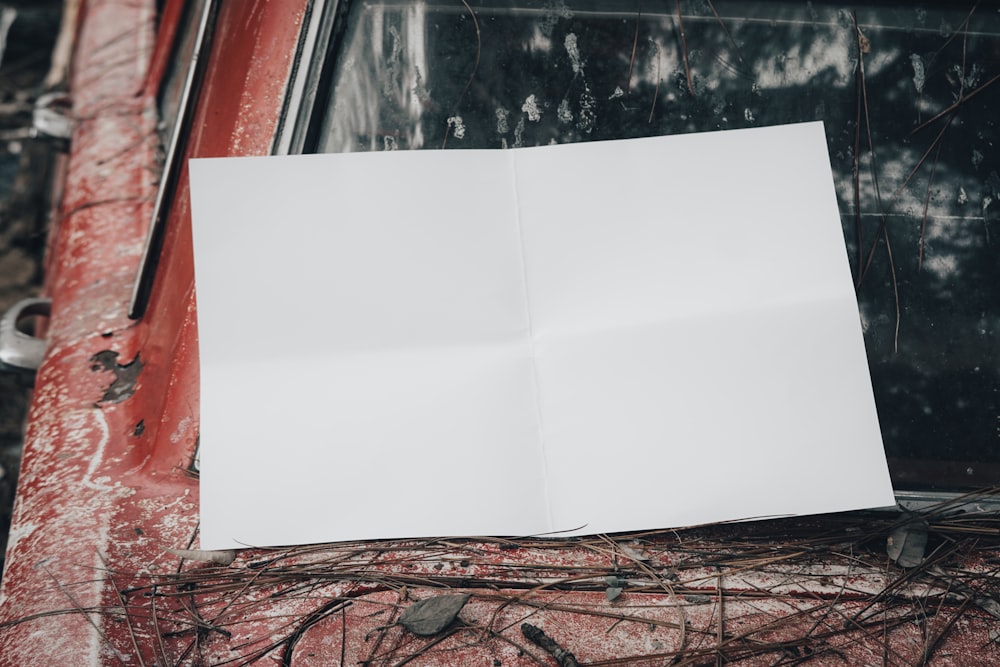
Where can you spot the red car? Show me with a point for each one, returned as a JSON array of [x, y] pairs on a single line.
[[100, 565]]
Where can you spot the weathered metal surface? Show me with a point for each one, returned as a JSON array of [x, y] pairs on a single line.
[[780, 592], [71, 484], [104, 485], [105, 488]]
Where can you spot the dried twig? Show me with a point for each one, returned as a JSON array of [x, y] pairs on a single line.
[[656, 88], [86, 613], [862, 47], [729, 36], [128, 619], [957, 105], [635, 44], [927, 203], [538, 637], [260, 609], [684, 48]]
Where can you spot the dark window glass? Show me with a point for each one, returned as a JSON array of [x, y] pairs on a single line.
[[909, 95]]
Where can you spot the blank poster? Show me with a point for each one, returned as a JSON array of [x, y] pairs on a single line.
[[585, 338]]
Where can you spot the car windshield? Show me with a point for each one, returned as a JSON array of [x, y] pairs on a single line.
[[908, 94]]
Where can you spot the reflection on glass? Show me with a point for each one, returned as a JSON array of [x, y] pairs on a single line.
[[172, 87], [908, 94]]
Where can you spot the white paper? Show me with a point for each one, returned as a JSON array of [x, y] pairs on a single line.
[[595, 337]]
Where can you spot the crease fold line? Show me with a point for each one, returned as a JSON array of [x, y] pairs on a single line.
[[512, 161]]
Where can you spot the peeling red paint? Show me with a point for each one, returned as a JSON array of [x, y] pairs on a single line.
[[94, 491]]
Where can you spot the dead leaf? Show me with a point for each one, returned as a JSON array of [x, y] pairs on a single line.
[[864, 43], [432, 615], [906, 544]]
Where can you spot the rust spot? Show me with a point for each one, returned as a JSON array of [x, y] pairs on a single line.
[[126, 375]]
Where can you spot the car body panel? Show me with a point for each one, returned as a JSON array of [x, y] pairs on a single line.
[[113, 422]]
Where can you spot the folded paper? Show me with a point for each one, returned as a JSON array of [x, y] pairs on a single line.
[[584, 338]]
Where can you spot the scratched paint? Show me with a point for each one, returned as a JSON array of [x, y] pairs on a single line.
[[126, 376]]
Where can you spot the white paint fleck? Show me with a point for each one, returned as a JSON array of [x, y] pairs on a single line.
[[616, 93], [748, 115], [972, 79], [962, 197], [457, 126], [98, 456], [182, 430], [389, 143], [573, 51], [519, 132], [530, 107], [18, 532], [563, 112], [919, 74], [987, 200], [588, 117], [502, 114]]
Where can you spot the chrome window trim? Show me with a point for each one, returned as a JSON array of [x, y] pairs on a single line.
[[300, 98], [985, 501], [171, 165]]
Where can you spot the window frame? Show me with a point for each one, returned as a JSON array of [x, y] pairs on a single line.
[[172, 163], [313, 84]]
